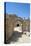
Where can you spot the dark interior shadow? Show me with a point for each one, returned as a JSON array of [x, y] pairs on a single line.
[[15, 36]]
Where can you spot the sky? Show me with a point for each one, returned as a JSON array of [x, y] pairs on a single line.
[[30, 11], [20, 9]]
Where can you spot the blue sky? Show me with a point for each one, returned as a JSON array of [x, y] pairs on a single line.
[[30, 11], [20, 9]]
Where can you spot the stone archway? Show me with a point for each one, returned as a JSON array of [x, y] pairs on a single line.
[[18, 26]]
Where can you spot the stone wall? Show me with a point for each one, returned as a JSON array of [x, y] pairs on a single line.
[[11, 22]]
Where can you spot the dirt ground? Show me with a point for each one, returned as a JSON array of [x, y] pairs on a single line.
[[18, 37]]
